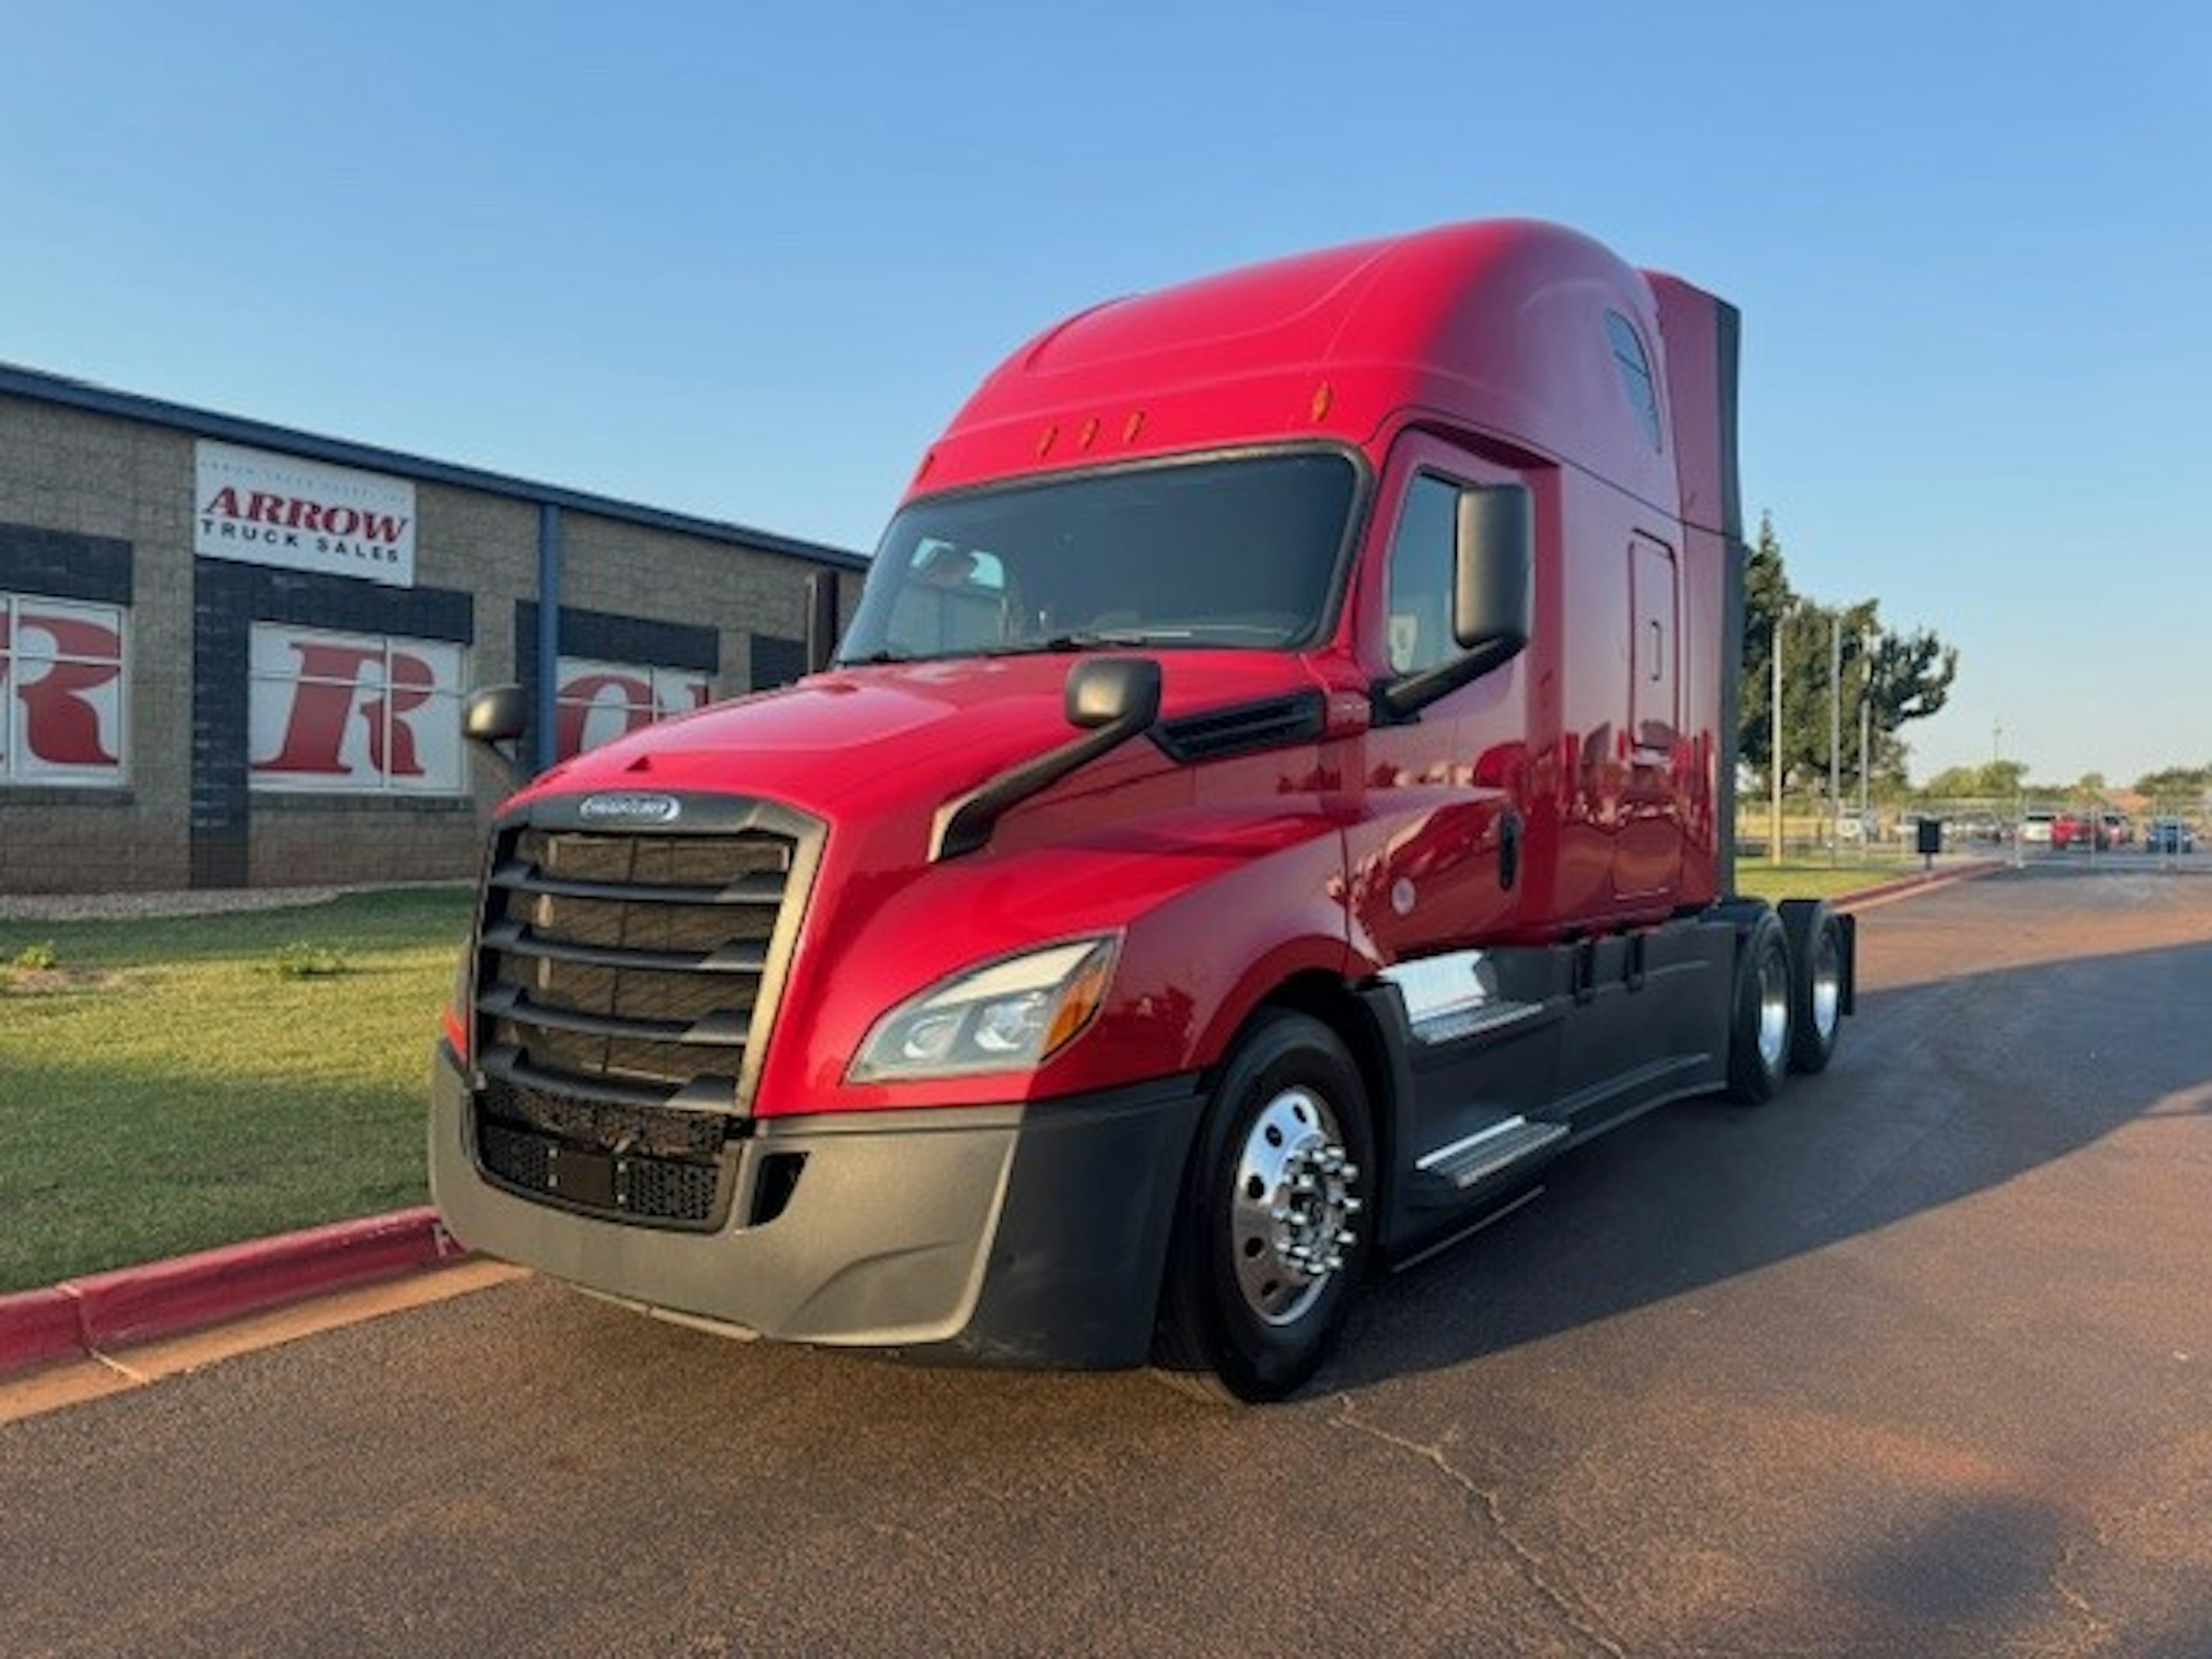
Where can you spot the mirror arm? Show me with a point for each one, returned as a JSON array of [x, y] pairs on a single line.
[[1115, 698], [1400, 700]]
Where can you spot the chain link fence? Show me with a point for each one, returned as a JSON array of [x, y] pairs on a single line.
[[2022, 828]]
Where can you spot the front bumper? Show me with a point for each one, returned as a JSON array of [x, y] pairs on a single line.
[[1007, 1235]]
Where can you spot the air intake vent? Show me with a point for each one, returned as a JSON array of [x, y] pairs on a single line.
[[639, 1164], [1247, 727]]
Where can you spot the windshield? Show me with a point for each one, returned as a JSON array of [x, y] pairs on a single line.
[[1239, 552]]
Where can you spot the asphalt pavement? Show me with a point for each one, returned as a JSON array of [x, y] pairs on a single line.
[[1917, 1359]]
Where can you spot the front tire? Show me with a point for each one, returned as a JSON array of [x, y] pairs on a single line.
[[1273, 1219]]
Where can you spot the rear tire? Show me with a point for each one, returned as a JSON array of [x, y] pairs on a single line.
[[1759, 1026], [1817, 988], [1274, 1219]]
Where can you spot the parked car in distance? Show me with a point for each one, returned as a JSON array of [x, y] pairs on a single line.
[[2035, 829], [2119, 830], [2099, 831], [2168, 835], [2071, 829], [1979, 827]]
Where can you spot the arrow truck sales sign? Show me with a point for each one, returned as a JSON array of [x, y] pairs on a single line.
[[263, 508]]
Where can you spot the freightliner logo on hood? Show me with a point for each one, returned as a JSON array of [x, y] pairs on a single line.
[[630, 807]]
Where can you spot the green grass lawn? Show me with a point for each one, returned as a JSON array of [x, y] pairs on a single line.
[[1817, 879], [170, 1084]]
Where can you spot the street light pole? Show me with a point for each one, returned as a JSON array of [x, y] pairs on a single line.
[[1866, 752], [1835, 730], [1774, 744]]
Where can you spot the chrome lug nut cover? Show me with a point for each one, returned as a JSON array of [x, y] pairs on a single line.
[[1291, 1206]]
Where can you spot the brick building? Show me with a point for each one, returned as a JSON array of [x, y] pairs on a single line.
[[233, 654]]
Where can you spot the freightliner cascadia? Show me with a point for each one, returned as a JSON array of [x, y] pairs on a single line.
[[1275, 794]]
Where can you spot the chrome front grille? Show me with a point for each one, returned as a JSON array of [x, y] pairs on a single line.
[[632, 958], [623, 982]]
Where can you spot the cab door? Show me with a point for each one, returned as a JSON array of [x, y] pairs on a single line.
[[1648, 851], [1437, 857]]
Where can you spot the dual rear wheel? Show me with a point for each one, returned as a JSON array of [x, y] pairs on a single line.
[[1790, 995]]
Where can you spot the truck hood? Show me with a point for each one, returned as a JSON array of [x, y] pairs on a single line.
[[1117, 847], [861, 741]]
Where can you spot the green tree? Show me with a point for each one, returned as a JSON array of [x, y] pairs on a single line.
[[2000, 780], [1898, 678], [2176, 783], [1767, 597]]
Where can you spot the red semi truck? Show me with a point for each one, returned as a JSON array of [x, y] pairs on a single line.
[[1275, 794]]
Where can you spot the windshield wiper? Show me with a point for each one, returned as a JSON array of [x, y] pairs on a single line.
[[1089, 639], [1071, 642]]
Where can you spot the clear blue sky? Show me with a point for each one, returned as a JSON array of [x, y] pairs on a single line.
[[742, 260]]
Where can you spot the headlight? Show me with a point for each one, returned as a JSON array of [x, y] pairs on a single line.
[[1010, 1016]]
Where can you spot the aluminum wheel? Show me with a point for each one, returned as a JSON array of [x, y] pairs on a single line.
[[1774, 1008], [1290, 1214], [1827, 984]]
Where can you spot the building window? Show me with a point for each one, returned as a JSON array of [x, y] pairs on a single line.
[[1635, 366], [64, 693], [355, 713], [597, 701]]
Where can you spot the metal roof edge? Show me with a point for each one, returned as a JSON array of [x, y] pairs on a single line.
[[43, 387]]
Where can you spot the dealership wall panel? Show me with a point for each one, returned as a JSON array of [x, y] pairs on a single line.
[[233, 654]]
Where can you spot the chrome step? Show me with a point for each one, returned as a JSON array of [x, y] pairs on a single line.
[[1467, 1163], [1452, 997]]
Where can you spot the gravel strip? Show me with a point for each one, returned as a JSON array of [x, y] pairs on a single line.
[[199, 902]]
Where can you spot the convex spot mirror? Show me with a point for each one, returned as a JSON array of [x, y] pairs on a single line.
[[1112, 690], [495, 713]]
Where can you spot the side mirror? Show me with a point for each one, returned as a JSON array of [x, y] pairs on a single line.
[[1111, 690], [1492, 567], [1493, 583], [496, 714], [492, 715]]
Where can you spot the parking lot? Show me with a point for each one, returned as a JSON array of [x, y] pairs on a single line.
[[1917, 1359]]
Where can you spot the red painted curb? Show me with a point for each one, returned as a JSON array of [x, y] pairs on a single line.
[[163, 1298], [36, 1326], [1927, 878]]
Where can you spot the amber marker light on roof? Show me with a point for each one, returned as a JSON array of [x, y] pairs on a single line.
[[1324, 395]]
